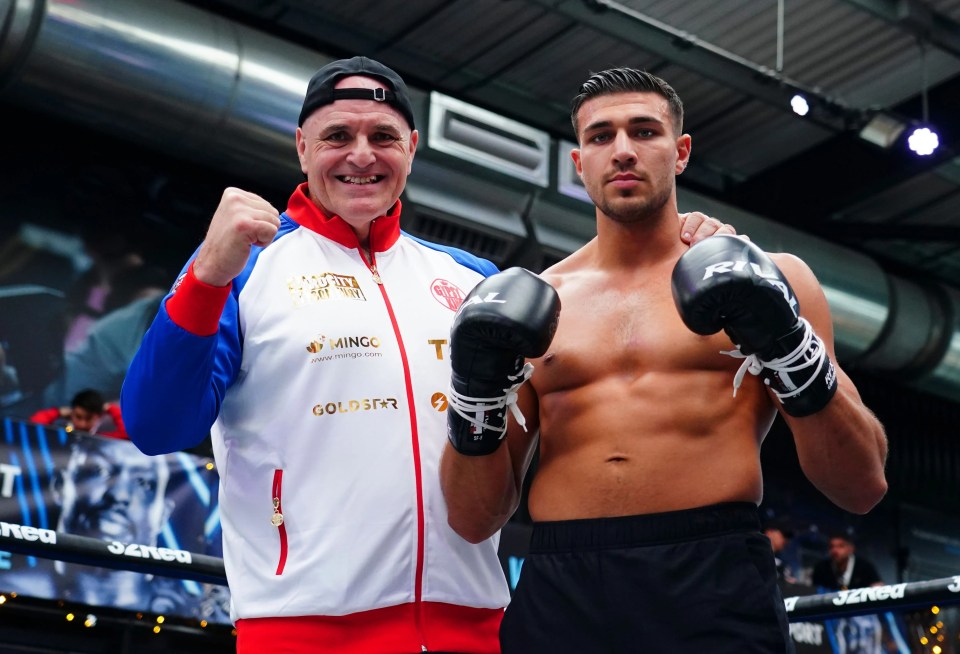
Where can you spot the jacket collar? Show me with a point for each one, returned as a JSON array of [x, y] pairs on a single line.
[[384, 231]]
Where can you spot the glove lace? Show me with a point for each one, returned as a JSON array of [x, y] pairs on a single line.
[[472, 409], [798, 359]]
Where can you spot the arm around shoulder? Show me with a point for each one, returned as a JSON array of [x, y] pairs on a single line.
[[842, 448]]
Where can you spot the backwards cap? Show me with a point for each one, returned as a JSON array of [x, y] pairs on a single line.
[[320, 91]]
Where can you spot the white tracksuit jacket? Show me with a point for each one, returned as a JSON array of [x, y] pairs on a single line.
[[325, 383]]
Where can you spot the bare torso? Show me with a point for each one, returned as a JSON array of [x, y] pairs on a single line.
[[637, 413]]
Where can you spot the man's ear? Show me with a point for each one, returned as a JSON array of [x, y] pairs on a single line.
[[301, 150], [414, 139], [684, 147]]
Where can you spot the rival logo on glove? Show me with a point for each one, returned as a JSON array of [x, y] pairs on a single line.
[[489, 298], [771, 278]]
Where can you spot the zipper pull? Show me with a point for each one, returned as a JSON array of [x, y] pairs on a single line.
[[376, 275], [277, 518]]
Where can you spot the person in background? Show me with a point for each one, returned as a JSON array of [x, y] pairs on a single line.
[[86, 412], [101, 358], [647, 423], [843, 569], [780, 532], [313, 346]]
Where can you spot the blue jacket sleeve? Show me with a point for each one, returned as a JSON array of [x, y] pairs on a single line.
[[176, 382]]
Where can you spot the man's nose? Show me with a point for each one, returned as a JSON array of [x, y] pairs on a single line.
[[623, 153], [361, 153], [120, 485]]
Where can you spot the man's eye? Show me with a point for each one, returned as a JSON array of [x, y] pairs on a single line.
[[645, 132], [336, 137], [600, 138], [384, 137], [148, 485]]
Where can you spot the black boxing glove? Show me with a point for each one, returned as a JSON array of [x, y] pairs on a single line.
[[725, 282], [507, 317]]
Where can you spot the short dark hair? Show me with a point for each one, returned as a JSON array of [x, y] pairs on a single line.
[[88, 400], [626, 80]]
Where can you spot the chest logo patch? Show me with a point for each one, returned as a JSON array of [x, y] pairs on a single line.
[[447, 293], [326, 286]]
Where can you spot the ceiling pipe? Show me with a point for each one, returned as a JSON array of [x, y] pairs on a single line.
[[182, 81], [162, 74]]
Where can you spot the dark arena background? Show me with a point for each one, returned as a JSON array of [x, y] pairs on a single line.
[[124, 121]]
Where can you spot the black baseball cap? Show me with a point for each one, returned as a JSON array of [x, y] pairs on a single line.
[[320, 91]]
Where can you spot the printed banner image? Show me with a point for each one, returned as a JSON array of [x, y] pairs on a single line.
[[106, 489]]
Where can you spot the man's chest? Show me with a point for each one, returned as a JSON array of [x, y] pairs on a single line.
[[628, 332]]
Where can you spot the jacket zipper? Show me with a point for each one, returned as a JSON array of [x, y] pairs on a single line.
[[277, 518], [415, 443]]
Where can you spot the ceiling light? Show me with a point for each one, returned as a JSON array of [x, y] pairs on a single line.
[[923, 141], [882, 130], [799, 104]]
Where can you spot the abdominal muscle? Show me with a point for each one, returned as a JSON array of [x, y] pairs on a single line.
[[619, 442]]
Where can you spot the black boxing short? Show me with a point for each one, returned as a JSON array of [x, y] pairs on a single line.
[[697, 580]]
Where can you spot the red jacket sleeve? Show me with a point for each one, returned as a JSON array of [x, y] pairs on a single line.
[[46, 416], [113, 410]]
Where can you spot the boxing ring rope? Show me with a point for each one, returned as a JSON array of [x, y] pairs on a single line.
[[147, 559], [203, 568], [877, 599]]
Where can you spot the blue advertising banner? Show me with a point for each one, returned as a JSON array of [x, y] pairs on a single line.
[[106, 489]]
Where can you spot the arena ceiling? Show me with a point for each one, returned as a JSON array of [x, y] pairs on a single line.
[[736, 64]]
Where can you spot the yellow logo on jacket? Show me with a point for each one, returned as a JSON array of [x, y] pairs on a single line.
[[350, 406], [326, 286]]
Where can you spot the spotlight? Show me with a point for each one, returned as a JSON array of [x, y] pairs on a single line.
[[923, 141], [800, 105]]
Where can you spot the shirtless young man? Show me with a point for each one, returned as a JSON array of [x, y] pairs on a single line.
[[646, 535]]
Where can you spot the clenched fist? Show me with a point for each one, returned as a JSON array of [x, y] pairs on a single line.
[[242, 219]]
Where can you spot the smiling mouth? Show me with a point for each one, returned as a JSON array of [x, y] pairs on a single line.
[[352, 179]]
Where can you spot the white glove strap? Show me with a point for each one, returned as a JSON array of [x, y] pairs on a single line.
[[810, 352], [472, 409]]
